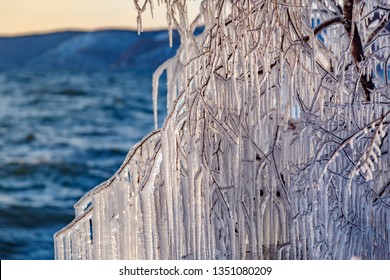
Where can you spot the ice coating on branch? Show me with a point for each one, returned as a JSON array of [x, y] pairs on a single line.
[[271, 148]]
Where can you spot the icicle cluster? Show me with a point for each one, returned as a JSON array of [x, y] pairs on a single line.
[[276, 145]]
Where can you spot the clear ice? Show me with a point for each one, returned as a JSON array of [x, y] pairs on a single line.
[[276, 145]]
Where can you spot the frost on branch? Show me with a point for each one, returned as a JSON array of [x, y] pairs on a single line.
[[276, 143], [366, 164]]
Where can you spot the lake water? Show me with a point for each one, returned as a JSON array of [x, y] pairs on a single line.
[[60, 135]]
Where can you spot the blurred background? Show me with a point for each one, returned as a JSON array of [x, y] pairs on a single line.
[[75, 96]]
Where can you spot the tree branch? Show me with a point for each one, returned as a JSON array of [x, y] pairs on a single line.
[[318, 29], [378, 29], [327, 23], [357, 47]]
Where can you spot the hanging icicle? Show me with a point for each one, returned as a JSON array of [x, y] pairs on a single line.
[[276, 144]]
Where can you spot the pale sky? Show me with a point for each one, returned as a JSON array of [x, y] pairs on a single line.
[[37, 16]]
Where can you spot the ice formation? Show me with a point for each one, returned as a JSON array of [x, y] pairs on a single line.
[[276, 145]]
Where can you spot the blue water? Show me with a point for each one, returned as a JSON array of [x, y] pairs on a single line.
[[60, 135]]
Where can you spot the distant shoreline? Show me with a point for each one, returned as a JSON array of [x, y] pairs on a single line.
[[103, 49], [78, 30]]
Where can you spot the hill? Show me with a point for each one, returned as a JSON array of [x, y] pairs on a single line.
[[86, 51]]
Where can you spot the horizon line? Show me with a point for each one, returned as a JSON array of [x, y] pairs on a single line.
[[76, 29]]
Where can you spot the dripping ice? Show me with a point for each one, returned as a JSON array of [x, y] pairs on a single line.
[[269, 150]]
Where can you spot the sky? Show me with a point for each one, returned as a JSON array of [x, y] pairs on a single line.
[[19, 17]]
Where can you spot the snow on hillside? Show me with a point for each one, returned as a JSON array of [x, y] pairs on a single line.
[[86, 51]]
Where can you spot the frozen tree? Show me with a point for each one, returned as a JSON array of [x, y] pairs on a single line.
[[276, 143]]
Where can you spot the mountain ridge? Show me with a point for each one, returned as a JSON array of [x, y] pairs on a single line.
[[109, 49]]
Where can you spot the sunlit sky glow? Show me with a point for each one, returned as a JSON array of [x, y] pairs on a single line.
[[38, 16]]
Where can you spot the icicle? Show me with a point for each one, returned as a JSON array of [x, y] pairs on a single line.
[[229, 175], [155, 84]]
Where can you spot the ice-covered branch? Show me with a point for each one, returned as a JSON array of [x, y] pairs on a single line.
[[366, 163], [382, 25], [266, 128], [319, 28], [357, 51]]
